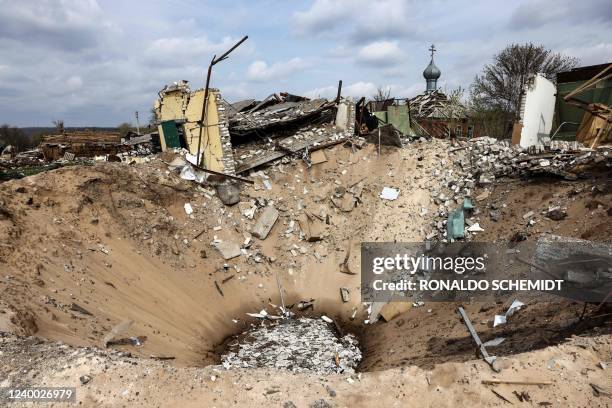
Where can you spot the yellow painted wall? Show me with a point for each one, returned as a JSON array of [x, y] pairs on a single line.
[[211, 137], [172, 106]]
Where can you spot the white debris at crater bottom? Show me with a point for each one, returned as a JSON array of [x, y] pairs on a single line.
[[299, 345]]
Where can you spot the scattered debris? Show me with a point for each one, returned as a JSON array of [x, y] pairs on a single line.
[[80, 309], [393, 309], [501, 319], [483, 351], [494, 381], [503, 395], [85, 379], [556, 214], [389, 193], [599, 390], [227, 249], [344, 294], [298, 345], [264, 224]]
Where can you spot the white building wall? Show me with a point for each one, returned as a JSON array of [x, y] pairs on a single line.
[[537, 111]]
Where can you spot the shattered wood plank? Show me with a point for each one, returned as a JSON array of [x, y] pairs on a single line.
[[219, 289], [229, 176], [501, 395], [258, 161], [224, 281], [515, 382]]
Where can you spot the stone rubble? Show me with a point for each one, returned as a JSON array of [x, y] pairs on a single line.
[[298, 345], [483, 160]]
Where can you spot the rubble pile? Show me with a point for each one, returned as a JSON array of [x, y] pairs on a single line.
[[484, 159], [274, 112], [309, 137], [299, 345], [493, 158], [27, 158]]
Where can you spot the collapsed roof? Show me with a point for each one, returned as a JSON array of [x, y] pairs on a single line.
[[436, 105], [284, 117], [275, 112]]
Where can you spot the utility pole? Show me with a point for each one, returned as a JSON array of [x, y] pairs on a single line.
[[137, 124], [214, 61]]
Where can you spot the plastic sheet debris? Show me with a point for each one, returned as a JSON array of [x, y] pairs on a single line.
[[261, 315], [189, 173], [191, 158], [188, 209], [389, 193], [501, 319], [475, 228]]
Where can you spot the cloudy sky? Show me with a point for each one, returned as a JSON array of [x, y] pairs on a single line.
[[93, 63]]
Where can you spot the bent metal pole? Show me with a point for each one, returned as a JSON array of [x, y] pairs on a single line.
[[214, 61]]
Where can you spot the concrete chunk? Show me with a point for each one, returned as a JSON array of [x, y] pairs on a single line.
[[265, 223], [228, 249]]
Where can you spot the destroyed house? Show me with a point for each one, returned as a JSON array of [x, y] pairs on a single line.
[[395, 112], [80, 144], [181, 125], [243, 135], [591, 108]]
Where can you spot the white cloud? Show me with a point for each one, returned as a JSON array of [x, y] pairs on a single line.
[[354, 90], [359, 89], [367, 89], [594, 54], [323, 15], [197, 50], [323, 92], [74, 82], [380, 53], [69, 25], [261, 71], [368, 19]]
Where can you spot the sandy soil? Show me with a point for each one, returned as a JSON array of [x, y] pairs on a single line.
[[117, 381], [115, 240]]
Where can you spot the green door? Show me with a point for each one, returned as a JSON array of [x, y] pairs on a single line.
[[171, 136]]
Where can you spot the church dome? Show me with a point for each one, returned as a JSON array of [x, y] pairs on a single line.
[[432, 72]]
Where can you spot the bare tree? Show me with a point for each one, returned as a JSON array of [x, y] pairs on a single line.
[[382, 94], [500, 83], [59, 125], [152, 118]]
